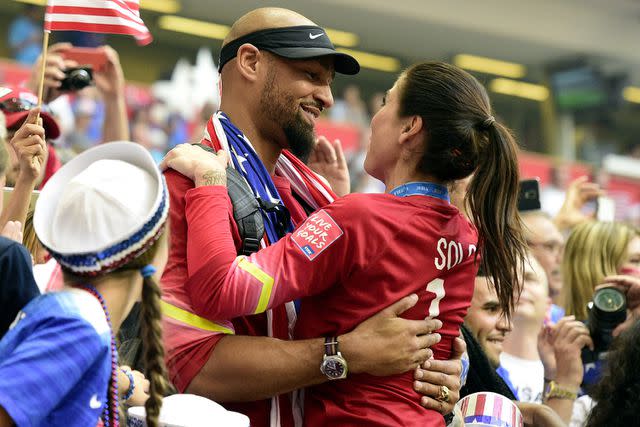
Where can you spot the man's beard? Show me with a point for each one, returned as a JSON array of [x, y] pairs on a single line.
[[283, 110]]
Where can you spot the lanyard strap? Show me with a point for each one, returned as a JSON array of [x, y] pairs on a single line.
[[422, 189]]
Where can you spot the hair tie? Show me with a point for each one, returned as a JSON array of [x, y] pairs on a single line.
[[486, 124], [147, 271]]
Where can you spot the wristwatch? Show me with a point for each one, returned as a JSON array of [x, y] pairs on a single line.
[[334, 366], [554, 391]]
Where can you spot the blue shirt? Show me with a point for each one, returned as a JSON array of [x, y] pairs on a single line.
[[55, 362]]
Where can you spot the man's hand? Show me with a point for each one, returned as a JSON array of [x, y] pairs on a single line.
[[327, 159], [110, 80], [433, 374], [580, 192], [30, 147], [53, 72], [200, 166], [386, 344], [12, 230]]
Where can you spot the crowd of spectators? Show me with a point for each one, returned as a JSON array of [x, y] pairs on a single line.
[[537, 357]]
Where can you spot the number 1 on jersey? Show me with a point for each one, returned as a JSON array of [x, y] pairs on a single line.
[[436, 286]]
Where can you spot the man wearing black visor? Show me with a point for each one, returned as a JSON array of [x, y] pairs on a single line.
[[276, 68]]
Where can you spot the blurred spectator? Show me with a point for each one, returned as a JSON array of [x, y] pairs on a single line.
[[553, 194], [593, 251], [580, 193], [78, 139], [547, 245], [520, 357], [82, 38], [560, 348], [200, 124], [375, 103], [25, 35], [351, 108]]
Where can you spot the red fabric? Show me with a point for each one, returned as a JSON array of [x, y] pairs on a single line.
[[189, 348], [379, 248], [101, 16], [52, 166]]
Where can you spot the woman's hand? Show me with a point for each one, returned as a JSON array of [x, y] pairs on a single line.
[[30, 147], [579, 193], [12, 230], [433, 374], [140, 390], [110, 79], [197, 164], [327, 159]]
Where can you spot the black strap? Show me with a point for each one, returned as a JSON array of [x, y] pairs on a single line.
[[246, 209]]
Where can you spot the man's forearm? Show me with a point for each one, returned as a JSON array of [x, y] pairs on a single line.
[[243, 368]]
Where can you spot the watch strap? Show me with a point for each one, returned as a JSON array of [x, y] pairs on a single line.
[[331, 346], [557, 392]]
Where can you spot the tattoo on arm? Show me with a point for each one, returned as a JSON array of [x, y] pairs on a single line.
[[213, 178]]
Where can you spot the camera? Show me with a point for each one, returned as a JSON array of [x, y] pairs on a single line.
[[607, 310], [76, 79]]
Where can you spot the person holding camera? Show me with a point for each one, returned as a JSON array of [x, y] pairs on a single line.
[[65, 76], [594, 251]]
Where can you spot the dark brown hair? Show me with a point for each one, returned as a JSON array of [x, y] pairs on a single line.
[[463, 138]]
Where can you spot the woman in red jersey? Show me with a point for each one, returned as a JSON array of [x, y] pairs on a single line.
[[365, 251]]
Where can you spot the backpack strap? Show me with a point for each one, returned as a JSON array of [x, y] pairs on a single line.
[[246, 209]]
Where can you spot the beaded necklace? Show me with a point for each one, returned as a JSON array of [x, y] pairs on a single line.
[[110, 414]]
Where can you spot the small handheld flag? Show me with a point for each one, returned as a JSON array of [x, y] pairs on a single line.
[[97, 16]]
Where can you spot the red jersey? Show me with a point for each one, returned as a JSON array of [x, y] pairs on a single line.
[[189, 345], [351, 259]]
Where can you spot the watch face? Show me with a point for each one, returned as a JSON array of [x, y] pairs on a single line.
[[333, 367]]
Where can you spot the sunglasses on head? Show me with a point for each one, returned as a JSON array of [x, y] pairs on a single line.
[[17, 105]]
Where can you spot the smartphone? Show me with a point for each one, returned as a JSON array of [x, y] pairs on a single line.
[[95, 57], [529, 195], [605, 209]]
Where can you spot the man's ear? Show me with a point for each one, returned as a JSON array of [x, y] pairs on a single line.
[[412, 127], [247, 61]]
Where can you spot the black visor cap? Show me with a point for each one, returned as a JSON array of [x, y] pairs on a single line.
[[300, 42]]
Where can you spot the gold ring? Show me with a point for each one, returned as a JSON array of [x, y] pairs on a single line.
[[444, 395]]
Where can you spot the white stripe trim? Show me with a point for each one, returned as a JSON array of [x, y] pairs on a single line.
[[133, 15], [95, 19]]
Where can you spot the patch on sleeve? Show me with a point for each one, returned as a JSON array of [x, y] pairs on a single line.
[[317, 233]]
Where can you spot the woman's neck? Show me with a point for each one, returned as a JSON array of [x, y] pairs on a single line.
[[119, 291], [403, 174]]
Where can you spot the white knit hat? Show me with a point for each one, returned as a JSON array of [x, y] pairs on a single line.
[[102, 209], [189, 410]]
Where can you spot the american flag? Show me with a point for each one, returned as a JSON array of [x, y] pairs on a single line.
[[97, 16], [489, 409]]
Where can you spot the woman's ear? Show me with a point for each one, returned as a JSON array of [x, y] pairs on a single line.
[[411, 128], [247, 61]]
